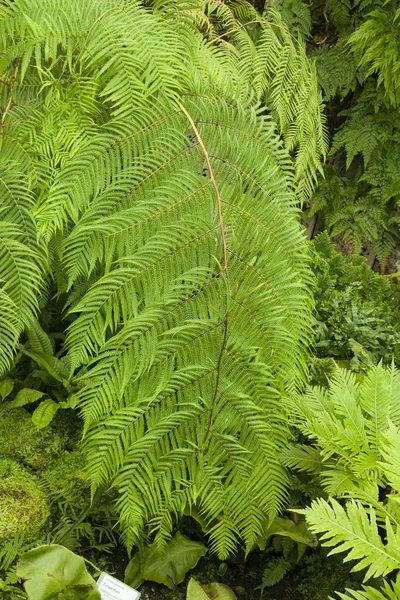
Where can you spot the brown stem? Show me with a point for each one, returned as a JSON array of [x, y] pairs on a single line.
[[225, 262], [9, 103]]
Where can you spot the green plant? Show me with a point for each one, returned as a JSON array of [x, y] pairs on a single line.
[[169, 567], [356, 310], [361, 201], [53, 572], [215, 591], [355, 45], [145, 186], [354, 431]]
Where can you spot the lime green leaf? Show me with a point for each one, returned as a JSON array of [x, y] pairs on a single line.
[[44, 413], [25, 396], [6, 387], [49, 570], [211, 591], [169, 567]]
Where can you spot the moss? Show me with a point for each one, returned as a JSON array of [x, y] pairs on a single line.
[[64, 478], [23, 505], [21, 441]]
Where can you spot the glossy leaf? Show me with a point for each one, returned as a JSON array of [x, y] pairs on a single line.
[[170, 567], [53, 572]]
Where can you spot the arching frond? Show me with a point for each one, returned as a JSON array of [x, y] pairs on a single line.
[[167, 201]]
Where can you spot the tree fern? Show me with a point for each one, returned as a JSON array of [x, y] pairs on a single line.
[[167, 205]]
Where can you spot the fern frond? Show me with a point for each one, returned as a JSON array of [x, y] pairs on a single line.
[[379, 40], [350, 425], [302, 457], [168, 205], [157, 329], [354, 531], [389, 591]]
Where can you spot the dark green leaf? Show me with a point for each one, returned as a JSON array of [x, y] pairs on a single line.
[[170, 567]]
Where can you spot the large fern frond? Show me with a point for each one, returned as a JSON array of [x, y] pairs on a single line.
[[22, 261], [168, 204], [180, 316], [355, 531]]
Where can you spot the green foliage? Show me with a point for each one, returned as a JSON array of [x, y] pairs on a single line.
[[295, 15], [211, 591], [53, 572], [169, 567], [351, 424], [355, 429], [287, 528], [20, 440], [356, 311], [355, 46], [364, 204], [23, 505], [355, 531], [153, 173], [336, 69], [378, 38], [390, 591], [275, 572]]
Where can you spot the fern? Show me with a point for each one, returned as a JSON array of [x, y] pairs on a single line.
[[165, 205], [390, 591], [354, 531], [378, 38], [351, 434], [295, 14], [351, 416]]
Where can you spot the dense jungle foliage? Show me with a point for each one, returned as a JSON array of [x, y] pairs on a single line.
[[199, 319]]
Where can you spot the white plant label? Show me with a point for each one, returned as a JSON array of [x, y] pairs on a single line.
[[113, 589]]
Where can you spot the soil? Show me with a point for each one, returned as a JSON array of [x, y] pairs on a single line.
[[317, 577]]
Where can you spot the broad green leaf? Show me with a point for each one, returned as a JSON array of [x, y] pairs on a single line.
[[44, 413], [6, 387], [211, 591], [298, 532], [25, 396], [169, 567], [49, 570]]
